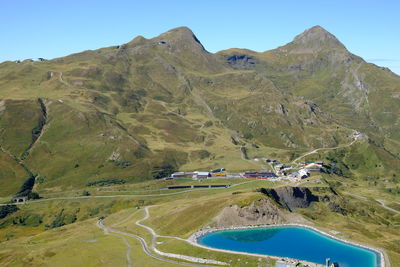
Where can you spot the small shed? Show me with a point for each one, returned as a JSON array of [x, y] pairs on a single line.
[[182, 174]]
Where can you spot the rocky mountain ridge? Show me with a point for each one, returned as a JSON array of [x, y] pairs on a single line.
[[140, 110]]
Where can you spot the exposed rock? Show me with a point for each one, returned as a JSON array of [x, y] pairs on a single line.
[[115, 155], [291, 197], [396, 96], [241, 60], [314, 39], [262, 211]]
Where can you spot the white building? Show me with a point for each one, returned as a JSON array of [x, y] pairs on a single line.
[[303, 173], [200, 175]]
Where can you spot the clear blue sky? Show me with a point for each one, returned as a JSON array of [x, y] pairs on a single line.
[[44, 28]]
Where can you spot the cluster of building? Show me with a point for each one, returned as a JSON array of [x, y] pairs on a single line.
[[280, 171], [306, 168], [259, 174], [201, 175], [221, 173]]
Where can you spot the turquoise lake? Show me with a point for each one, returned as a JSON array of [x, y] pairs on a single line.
[[293, 242]]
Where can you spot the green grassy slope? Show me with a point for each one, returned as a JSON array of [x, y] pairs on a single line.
[[120, 112], [315, 65], [135, 110], [138, 111], [352, 211]]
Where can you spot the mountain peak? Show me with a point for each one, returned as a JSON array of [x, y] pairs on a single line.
[[183, 30], [316, 33], [181, 34], [317, 38]]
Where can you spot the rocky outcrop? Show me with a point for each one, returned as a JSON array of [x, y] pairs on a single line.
[[262, 211], [291, 197], [241, 61]]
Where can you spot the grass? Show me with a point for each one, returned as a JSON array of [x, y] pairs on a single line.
[[180, 247], [65, 247], [100, 103], [121, 113], [178, 215]]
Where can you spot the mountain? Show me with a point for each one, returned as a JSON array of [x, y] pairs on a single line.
[[143, 109], [314, 40], [316, 66]]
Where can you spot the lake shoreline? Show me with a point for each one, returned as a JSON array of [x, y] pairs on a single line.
[[194, 240]]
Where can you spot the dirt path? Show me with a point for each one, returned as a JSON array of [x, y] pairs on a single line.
[[152, 232], [60, 78], [126, 219], [386, 207], [323, 148], [128, 252], [171, 255], [377, 200], [108, 230]]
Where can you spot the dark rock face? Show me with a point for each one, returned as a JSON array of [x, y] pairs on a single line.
[[291, 197], [241, 61]]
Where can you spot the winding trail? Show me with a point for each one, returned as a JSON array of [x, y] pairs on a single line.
[[148, 250], [151, 230], [108, 230], [377, 200], [126, 219], [323, 148], [129, 248], [128, 252], [154, 236], [386, 207], [60, 78]]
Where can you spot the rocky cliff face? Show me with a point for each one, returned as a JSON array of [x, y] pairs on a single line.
[[291, 197], [262, 211]]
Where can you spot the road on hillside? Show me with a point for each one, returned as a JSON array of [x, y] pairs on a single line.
[[377, 200], [114, 196], [144, 245], [154, 236], [386, 207], [152, 232], [322, 148], [105, 196]]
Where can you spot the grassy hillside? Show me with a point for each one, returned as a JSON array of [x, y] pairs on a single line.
[[97, 130], [49, 231], [315, 65], [132, 111]]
